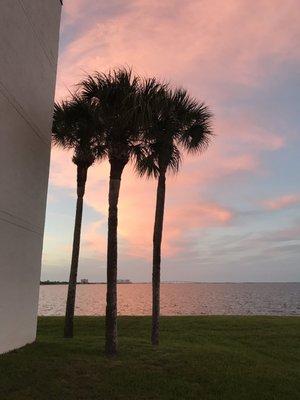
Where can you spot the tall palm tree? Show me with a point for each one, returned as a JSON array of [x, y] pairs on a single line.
[[76, 126], [178, 123], [121, 111]]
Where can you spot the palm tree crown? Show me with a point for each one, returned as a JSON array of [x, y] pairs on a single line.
[[76, 125], [120, 108], [176, 122]]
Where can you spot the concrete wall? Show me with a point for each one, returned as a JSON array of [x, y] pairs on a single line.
[[29, 31]]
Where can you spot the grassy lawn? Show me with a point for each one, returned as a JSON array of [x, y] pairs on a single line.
[[199, 358]]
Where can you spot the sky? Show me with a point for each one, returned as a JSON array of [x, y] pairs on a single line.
[[233, 213]]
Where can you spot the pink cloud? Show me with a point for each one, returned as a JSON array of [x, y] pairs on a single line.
[[239, 130], [206, 41], [93, 241], [182, 220], [282, 202], [136, 209]]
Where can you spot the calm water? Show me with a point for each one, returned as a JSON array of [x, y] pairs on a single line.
[[180, 299]]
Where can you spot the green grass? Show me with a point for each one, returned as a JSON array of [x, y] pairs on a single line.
[[198, 358]]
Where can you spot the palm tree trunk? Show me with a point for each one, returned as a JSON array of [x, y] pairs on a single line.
[[157, 239], [81, 180], [116, 169]]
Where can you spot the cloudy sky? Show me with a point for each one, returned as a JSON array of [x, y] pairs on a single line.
[[232, 214]]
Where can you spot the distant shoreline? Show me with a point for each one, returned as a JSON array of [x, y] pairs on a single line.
[[49, 283]]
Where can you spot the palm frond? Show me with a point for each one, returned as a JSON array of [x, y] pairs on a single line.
[[117, 95], [176, 122], [77, 126]]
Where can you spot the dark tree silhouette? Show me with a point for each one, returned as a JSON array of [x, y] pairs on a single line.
[[76, 126], [122, 112], [177, 123]]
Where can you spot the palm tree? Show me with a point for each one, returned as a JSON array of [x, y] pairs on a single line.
[[76, 126], [178, 122], [121, 111]]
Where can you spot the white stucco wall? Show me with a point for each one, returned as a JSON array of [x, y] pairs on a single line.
[[29, 31]]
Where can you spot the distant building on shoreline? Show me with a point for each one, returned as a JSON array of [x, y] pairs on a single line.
[[124, 281], [84, 281]]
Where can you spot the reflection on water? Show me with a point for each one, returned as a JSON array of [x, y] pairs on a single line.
[[179, 299]]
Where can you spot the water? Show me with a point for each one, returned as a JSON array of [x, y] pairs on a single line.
[[179, 299]]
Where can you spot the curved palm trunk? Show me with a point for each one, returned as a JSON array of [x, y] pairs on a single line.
[[157, 239], [81, 180], [116, 169]]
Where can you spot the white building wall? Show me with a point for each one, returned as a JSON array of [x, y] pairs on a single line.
[[29, 31]]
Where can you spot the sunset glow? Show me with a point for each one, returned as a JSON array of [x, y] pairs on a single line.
[[233, 213]]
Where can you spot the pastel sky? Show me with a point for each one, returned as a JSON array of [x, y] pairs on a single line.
[[232, 214]]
